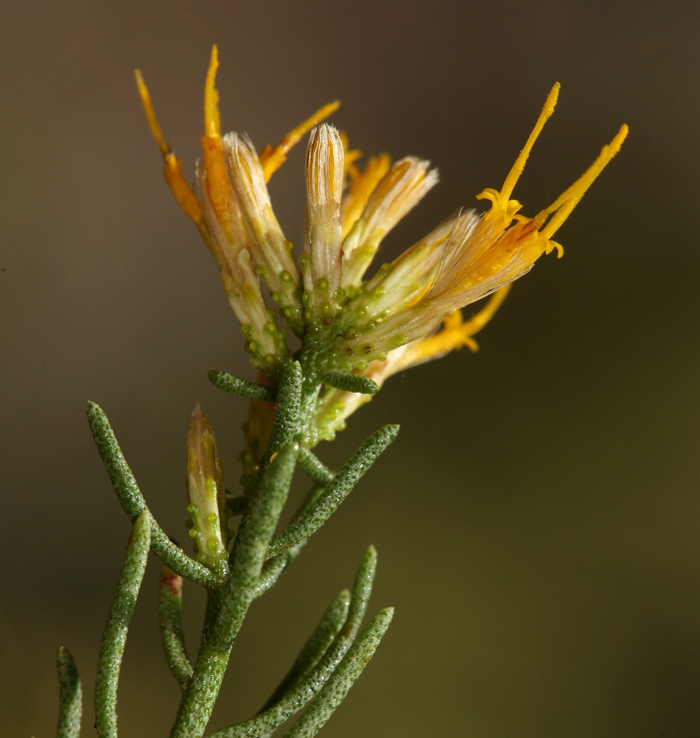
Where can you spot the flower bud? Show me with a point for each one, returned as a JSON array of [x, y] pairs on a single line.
[[207, 494], [324, 189]]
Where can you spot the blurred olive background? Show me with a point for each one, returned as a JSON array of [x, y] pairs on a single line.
[[537, 520]]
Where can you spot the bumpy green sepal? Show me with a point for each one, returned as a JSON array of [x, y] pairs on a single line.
[[347, 673], [70, 705], [242, 387], [132, 500], [114, 637], [170, 624], [331, 497], [351, 382]]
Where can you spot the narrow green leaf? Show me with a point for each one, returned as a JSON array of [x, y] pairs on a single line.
[[273, 569], [300, 695], [361, 592], [70, 704], [287, 412], [242, 387], [331, 497], [246, 562], [170, 623], [114, 637], [347, 673], [328, 628], [132, 500], [351, 383], [314, 468]]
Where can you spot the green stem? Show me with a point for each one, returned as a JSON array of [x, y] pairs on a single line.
[[247, 559], [276, 566], [114, 637], [286, 423]]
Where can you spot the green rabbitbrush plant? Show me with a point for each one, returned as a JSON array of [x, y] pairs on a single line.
[[352, 334]]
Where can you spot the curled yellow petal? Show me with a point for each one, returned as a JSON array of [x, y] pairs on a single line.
[[150, 114], [183, 194], [173, 166], [351, 155], [216, 183]]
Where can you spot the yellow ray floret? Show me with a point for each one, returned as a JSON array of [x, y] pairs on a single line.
[[173, 166], [273, 158]]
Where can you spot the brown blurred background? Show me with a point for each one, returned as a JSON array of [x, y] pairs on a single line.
[[538, 519]]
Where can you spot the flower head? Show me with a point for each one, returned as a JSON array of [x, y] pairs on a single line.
[[374, 326]]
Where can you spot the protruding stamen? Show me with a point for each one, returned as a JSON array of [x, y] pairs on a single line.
[[273, 158], [568, 200], [517, 168]]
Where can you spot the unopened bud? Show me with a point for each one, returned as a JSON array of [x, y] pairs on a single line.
[[324, 189], [207, 494]]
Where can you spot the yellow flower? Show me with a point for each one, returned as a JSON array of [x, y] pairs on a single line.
[[459, 263], [391, 321]]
